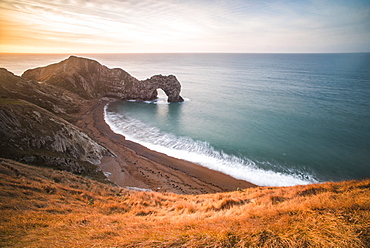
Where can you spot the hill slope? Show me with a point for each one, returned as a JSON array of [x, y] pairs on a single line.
[[41, 207], [36, 136], [52, 122]]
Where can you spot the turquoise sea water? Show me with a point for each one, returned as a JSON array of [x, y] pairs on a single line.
[[272, 119]]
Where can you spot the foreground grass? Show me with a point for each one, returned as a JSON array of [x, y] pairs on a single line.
[[47, 208]]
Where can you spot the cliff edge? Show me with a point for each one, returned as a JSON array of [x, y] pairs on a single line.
[[89, 79], [40, 114], [33, 135]]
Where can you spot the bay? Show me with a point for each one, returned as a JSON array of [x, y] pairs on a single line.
[[271, 119]]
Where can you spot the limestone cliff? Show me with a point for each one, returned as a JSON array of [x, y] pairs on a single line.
[[38, 110], [33, 135], [89, 79], [34, 127], [49, 97]]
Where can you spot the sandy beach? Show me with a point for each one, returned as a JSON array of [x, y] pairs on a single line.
[[133, 165]]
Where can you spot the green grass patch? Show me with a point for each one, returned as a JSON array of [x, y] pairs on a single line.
[[6, 101]]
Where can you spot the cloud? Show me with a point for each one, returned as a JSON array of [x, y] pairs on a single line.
[[180, 26]]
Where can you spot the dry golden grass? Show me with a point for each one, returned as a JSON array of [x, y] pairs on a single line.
[[47, 208]]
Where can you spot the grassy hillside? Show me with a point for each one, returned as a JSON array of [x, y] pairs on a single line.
[[42, 207]]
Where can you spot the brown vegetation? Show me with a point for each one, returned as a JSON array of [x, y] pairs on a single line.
[[42, 207]]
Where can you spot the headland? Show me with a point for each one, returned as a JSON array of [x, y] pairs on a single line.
[[75, 92]]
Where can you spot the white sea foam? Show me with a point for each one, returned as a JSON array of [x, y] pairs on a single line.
[[199, 152], [159, 101]]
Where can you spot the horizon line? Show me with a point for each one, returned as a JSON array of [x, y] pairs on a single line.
[[66, 53]]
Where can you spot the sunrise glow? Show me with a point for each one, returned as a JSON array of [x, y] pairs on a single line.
[[113, 26]]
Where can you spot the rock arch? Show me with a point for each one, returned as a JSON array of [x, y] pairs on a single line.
[[161, 94], [89, 79], [170, 85]]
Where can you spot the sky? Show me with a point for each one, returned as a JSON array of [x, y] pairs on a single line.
[[170, 26]]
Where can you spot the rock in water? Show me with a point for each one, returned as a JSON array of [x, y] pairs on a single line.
[[89, 79], [169, 84]]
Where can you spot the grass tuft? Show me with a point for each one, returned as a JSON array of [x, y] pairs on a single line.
[[41, 207]]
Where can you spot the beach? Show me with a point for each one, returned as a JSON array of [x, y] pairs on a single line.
[[269, 119], [135, 166]]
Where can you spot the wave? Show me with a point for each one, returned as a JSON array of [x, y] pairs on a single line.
[[200, 152], [158, 101]]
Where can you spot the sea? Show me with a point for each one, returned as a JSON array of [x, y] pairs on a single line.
[[270, 119]]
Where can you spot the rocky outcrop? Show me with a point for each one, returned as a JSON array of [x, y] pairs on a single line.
[[37, 111], [54, 99], [169, 84], [89, 79], [33, 135]]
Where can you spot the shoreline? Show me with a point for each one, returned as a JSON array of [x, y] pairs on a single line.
[[137, 166]]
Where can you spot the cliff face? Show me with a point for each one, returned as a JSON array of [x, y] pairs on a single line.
[[33, 135], [89, 79], [34, 130], [54, 99], [37, 111]]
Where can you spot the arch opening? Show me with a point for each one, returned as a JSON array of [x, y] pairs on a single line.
[[161, 96]]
